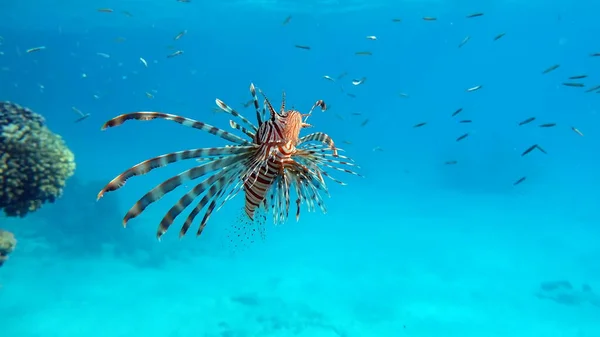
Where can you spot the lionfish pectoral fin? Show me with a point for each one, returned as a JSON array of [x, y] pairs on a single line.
[[306, 125], [218, 185], [192, 123], [170, 184], [209, 185], [201, 154], [321, 138], [298, 202]]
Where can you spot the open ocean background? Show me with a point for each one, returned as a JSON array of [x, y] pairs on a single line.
[[416, 248]]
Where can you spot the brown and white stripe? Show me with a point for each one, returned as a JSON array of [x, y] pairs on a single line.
[[149, 115], [166, 159], [170, 184]]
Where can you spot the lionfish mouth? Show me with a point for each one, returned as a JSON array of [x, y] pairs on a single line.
[[270, 162]]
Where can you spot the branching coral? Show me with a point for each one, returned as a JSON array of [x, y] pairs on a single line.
[[34, 162], [7, 244]]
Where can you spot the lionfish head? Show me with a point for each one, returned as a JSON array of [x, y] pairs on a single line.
[[292, 121]]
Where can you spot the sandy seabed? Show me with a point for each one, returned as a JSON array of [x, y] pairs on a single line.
[[459, 281]]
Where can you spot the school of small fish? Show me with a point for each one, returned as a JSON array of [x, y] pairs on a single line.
[[573, 81]]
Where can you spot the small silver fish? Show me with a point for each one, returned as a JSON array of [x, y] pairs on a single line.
[[359, 81]]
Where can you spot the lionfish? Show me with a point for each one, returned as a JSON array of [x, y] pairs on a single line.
[[269, 166]]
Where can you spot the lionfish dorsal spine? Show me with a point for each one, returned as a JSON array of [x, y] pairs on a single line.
[[259, 114], [268, 104]]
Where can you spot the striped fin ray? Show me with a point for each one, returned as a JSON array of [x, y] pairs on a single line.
[[285, 184], [187, 199], [267, 103], [260, 116], [234, 185], [319, 137], [280, 199], [322, 158], [296, 183], [242, 129], [342, 160], [213, 194], [235, 188], [318, 183], [218, 192], [346, 166], [307, 185], [264, 113], [320, 103], [312, 191], [315, 178], [234, 113], [270, 201], [276, 206], [256, 163], [340, 169], [148, 115], [170, 184], [279, 196], [169, 158], [324, 151], [326, 154], [320, 162], [305, 196], [318, 147], [334, 179], [308, 195], [310, 174]]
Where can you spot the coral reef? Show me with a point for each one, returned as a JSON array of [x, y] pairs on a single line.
[[34, 162], [7, 245]]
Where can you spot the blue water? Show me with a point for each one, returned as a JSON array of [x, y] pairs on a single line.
[[415, 248]]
